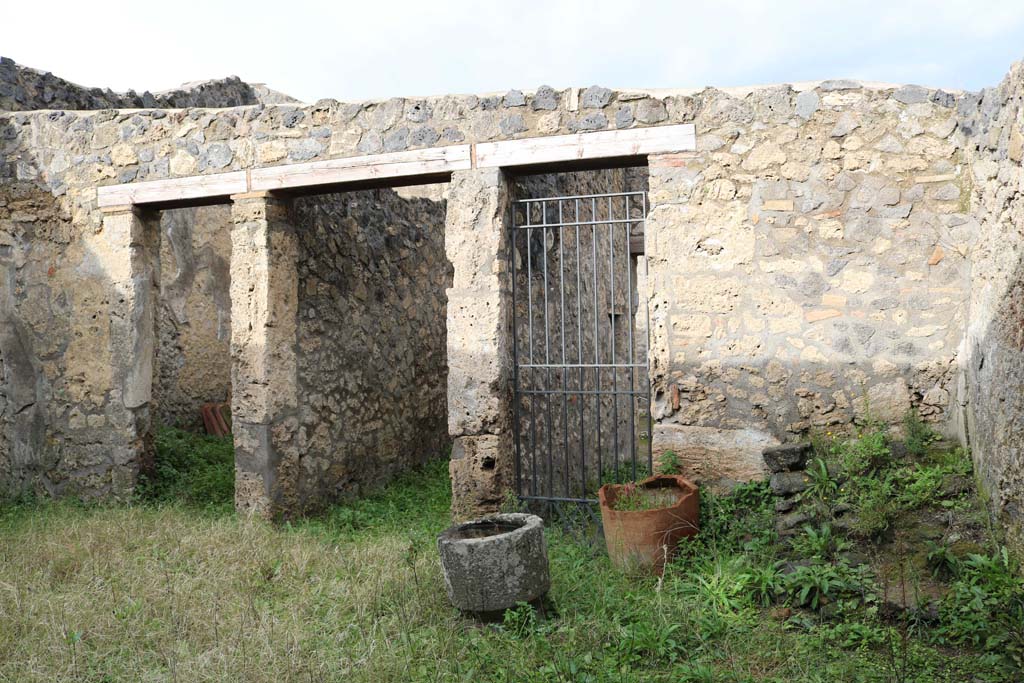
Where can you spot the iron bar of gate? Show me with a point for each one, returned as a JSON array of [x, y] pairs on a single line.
[[629, 327], [597, 342], [529, 319], [594, 365], [565, 370], [598, 195], [615, 372], [621, 392], [547, 347], [616, 221], [559, 499], [581, 403]]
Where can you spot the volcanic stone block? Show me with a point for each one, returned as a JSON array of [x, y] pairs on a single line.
[[788, 457], [788, 483]]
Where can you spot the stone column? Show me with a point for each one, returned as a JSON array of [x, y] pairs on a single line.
[[264, 376], [479, 342], [129, 248]]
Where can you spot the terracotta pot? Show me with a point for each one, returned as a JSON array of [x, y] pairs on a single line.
[[644, 539]]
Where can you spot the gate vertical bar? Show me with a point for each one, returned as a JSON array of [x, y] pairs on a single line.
[[632, 355], [581, 402], [529, 337], [597, 342], [565, 368], [611, 316], [547, 348]]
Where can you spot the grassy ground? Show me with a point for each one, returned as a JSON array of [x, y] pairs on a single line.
[[165, 590]]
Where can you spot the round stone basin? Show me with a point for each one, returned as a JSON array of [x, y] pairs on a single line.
[[493, 563]]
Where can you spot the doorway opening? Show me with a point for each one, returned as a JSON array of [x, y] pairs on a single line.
[[581, 389]]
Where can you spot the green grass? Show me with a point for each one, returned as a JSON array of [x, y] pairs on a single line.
[[191, 468], [173, 588]]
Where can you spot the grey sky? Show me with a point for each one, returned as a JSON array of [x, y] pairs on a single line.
[[380, 48]]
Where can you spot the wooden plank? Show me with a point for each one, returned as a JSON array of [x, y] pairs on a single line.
[[420, 162], [173, 190], [579, 146]]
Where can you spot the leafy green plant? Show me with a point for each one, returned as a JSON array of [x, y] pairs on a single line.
[[635, 498], [811, 585], [854, 635], [918, 436], [941, 560], [645, 640], [874, 508], [520, 620], [1009, 630], [698, 673], [669, 463], [867, 454], [822, 542], [740, 521], [822, 487], [722, 583], [956, 462], [988, 594], [819, 583], [921, 486], [765, 583]]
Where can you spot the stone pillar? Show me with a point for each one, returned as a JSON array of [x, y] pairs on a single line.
[[129, 248], [264, 376], [671, 181], [479, 342]]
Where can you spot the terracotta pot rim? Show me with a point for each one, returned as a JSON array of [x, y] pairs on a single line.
[[682, 483]]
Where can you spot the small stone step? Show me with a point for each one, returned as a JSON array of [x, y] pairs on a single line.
[[788, 457], [788, 483]]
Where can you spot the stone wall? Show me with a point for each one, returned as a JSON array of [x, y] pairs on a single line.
[[372, 353], [993, 358], [25, 89], [808, 268], [33, 337], [809, 265], [66, 427]]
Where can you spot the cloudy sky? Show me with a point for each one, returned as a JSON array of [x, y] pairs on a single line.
[[378, 48]]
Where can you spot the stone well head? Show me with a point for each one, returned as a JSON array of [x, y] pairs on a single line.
[[494, 563]]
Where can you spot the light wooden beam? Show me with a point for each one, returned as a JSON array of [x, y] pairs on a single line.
[[556, 149], [419, 162], [173, 190], [427, 165]]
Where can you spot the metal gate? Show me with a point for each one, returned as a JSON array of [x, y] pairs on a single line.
[[581, 387]]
